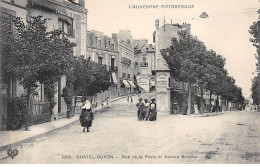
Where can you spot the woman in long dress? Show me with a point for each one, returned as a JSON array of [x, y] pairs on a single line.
[[152, 110], [86, 116]]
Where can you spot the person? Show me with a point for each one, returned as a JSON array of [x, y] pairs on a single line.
[[196, 109], [146, 109], [140, 105], [102, 103], [86, 116], [108, 102], [152, 111], [129, 100]]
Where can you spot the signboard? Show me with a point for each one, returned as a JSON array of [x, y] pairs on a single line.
[[143, 81], [162, 82]]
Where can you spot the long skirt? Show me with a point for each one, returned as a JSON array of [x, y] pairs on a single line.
[[85, 121]]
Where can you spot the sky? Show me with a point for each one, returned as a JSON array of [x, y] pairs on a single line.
[[224, 31]]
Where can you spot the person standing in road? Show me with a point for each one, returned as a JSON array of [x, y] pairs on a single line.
[[146, 109], [129, 100], [140, 105], [86, 116], [108, 102], [152, 112]]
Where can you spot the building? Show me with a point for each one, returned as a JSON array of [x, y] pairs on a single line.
[[165, 84], [9, 84], [67, 15], [71, 18], [145, 64], [103, 49], [127, 69]]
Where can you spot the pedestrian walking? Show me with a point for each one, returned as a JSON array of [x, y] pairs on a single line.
[[129, 100], [108, 102], [152, 110], [140, 105], [146, 109], [86, 116], [196, 110]]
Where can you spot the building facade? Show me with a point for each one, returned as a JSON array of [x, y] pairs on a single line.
[[127, 69], [145, 64], [103, 49], [9, 84]]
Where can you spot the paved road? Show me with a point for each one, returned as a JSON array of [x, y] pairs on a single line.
[[117, 137]]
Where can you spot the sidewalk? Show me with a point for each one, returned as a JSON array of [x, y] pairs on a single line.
[[10, 139]]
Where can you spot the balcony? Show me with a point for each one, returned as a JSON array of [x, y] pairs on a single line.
[[126, 61], [113, 68], [144, 64]]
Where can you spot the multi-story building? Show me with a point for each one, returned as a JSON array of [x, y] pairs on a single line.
[[67, 15], [8, 84], [103, 49], [71, 18], [127, 69], [166, 87], [145, 63]]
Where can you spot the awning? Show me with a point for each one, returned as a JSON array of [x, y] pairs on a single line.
[[152, 83], [131, 84], [49, 5], [114, 78], [65, 18], [126, 83]]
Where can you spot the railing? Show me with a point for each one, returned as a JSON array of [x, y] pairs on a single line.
[[113, 68], [126, 61], [40, 113]]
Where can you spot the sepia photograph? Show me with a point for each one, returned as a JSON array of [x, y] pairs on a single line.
[[129, 82]]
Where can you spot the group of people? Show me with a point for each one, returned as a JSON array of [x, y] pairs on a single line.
[[146, 111]]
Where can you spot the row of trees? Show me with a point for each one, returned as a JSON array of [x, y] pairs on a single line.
[[34, 56], [255, 32], [191, 62]]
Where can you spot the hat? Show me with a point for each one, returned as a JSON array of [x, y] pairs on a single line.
[[140, 99], [153, 99]]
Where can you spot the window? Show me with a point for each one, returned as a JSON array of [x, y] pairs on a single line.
[[112, 64], [100, 60], [109, 43], [99, 42], [144, 59], [113, 47]]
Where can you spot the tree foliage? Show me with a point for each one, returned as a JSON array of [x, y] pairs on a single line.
[[190, 61], [34, 55]]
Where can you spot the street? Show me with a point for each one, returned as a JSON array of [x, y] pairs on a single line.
[[117, 137]]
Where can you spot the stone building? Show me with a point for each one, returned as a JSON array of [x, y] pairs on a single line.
[[127, 69], [145, 64], [166, 87], [103, 49], [71, 18], [9, 84]]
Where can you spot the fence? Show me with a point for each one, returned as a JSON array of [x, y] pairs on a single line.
[[40, 113]]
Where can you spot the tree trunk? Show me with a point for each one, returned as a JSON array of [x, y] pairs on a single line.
[[28, 109], [189, 100], [201, 100], [210, 94], [217, 104]]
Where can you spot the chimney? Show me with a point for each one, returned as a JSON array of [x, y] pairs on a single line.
[[157, 24], [82, 3]]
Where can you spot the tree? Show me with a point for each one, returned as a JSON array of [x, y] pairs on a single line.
[[255, 32], [34, 55], [185, 58]]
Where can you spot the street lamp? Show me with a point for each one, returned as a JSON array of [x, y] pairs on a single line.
[[204, 15]]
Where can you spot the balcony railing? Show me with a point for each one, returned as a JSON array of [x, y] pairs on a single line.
[[144, 64], [113, 68], [126, 61]]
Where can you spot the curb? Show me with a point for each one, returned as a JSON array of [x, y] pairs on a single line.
[[32, 138]]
